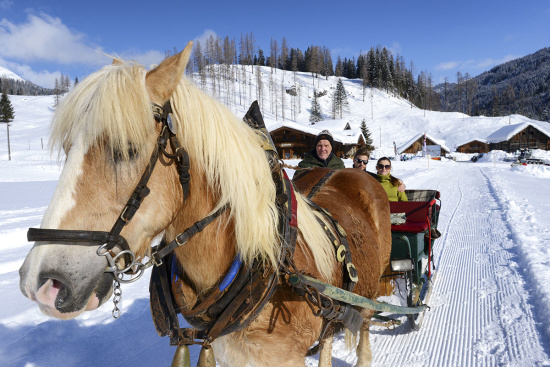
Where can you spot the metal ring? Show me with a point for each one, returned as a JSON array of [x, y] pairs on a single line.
[[131, 263], [133, 277]]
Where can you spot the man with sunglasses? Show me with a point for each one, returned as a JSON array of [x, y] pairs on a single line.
[[360, 161], [322, 155]]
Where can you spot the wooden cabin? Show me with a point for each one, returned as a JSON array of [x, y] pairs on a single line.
[[416, 145], [473, 146], [511, 138], [293, 142]]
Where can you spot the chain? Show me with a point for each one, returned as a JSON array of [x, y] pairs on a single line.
[[117, 298]]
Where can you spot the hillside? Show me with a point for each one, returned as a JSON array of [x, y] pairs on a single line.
[[389, 118], [11, 83], [519, 86], [492, 258]]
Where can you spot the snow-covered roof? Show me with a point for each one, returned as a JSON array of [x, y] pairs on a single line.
[[348, 137], [332, 125], [471, 140], [418, 136], [508, 131]]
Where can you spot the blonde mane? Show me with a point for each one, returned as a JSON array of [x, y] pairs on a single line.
[[111, 107], [235, 166]]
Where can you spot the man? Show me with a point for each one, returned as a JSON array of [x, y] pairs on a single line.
[[360, 161], [322, 155]]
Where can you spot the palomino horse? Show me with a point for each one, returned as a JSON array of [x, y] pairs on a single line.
[[107, 130]]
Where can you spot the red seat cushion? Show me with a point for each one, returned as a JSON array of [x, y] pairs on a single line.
[[412, 226], [416, 213]]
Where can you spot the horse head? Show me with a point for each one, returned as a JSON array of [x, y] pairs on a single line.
[[107, 129]]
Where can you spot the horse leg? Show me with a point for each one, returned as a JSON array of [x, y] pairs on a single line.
[[364, 354], [325, 355]]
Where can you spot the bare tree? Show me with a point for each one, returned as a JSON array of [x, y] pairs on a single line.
[[283, 100], [459, 80], [284, 56], [471, 91], [273, 56]]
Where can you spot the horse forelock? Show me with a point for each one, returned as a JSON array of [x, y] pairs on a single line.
[[109, 108], [234, 165]]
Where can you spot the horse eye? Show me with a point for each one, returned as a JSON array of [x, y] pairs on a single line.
[[119, 157]]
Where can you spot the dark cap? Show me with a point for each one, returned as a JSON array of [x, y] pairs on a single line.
[[325, 135]]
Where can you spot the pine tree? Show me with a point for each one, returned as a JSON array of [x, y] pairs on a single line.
[[6, 109], [57, 93], [367, 136], [315, 115], [340, 100]]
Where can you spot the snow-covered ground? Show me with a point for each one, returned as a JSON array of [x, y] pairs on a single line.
[[490, 305]]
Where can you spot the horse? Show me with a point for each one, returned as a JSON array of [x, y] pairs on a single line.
[[107, 128]]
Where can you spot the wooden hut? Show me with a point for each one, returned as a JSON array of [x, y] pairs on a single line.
[[416, 144], [294, 140], [511, 138], [473, 146]]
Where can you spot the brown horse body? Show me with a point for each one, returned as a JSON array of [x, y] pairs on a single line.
[[107, 139]]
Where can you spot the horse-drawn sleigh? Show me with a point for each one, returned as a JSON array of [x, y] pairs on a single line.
[[241, 251]]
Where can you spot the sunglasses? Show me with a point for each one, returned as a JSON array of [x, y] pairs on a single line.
[[382, 166], [359, 161]]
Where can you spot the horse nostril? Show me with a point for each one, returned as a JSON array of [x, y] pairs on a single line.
[[62, 291]]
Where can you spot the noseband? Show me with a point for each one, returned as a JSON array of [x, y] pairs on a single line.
[[109, 241]]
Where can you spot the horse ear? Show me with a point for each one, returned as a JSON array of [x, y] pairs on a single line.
[[163, 80]]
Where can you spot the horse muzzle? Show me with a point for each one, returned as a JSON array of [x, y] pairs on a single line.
[[64, 280]]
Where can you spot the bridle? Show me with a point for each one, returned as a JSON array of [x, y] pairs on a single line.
[[122, 261]]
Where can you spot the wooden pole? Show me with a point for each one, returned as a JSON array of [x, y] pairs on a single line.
[[9, 150]]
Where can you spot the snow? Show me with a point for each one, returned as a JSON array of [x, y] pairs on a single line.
[[490, 304], [5, 73], [418, 136], [506, 132]]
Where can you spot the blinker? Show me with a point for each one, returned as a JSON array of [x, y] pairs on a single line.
[[170, 123]]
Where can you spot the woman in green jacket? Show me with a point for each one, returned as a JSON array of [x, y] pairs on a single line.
[[388, 182]]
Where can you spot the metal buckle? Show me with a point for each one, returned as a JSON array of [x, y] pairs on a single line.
[[353, 276], [341, 253]]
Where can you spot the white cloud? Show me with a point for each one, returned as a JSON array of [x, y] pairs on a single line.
[[447, 65], [45, 38], [474, 66], [43, 78], [395, 48], [204, 36], [488, 63], [147, 59]]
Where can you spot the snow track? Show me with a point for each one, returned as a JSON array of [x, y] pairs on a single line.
[[490, 302], [481, 311]]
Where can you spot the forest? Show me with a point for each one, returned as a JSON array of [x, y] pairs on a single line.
[[520, 86]]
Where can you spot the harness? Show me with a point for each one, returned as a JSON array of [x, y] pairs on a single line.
[[245, 290], [109, 241]]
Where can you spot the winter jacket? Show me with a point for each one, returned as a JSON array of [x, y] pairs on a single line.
[[393, 194], [312, 160]]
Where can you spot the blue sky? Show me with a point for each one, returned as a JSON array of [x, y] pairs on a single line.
[[41, 39]]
